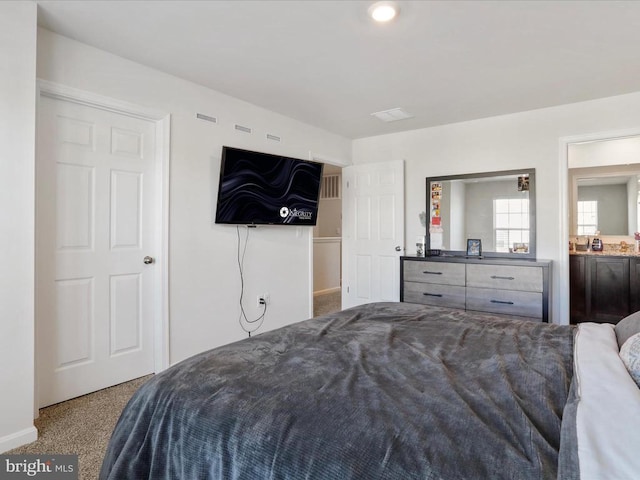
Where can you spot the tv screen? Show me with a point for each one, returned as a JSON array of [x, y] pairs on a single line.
[[262, 189]]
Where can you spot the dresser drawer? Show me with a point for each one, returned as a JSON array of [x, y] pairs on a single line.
[[435, 272], [528, 279], [511, 302], [434, 294]]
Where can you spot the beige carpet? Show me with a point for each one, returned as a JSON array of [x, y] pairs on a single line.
[[328, 303], [81, 426]]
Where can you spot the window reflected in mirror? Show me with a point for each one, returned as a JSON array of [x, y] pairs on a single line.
[[511, 220], [587, 217]]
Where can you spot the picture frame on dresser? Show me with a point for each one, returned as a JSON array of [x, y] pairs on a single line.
[[474, 247]]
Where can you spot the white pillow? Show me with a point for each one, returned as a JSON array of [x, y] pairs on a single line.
[[630, 355], [608, 414]]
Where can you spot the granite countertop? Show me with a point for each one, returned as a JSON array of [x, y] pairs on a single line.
[[607, 253]]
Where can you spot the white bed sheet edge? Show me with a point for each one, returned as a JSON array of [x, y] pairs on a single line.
[[608, 412]]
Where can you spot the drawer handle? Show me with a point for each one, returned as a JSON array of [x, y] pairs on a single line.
[[502, 302], [432, 294], [432, 273], [498, 277]]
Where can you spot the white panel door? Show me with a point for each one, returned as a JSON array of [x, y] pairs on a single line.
[[96, 183], [373, 232]]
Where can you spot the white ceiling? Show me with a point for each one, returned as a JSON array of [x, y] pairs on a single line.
[[326, 64]]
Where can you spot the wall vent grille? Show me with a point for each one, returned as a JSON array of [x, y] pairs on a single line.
[[242, 128], [206, 118], [330, 188], [275, 138]]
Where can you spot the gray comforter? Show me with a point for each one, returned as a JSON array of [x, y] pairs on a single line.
[[382, 391]]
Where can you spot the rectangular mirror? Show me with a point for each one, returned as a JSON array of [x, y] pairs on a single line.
[[498, 208], [604, 199]]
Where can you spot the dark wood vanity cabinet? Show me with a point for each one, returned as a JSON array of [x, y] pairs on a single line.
[[634, 284], [609, 289], [603, 289], [578, 288]]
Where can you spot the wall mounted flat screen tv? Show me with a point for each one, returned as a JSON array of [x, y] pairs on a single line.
[[263, 189]]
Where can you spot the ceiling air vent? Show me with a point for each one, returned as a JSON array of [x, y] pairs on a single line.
[[275, 138], [241, 128], [392, 115], [206, 118]]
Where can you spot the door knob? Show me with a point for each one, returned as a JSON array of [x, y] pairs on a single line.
[[398, 248], [147, 260]]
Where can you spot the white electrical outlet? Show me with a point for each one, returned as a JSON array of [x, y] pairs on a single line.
[[262, 300]]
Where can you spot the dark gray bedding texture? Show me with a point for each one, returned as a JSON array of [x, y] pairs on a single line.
[[380, 391]]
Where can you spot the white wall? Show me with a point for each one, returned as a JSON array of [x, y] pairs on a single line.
[[326, 265], [204, 279], [522, 140], [17, 162], [620, 151], [329, 218]]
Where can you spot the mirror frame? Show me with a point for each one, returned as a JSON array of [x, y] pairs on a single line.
[[532, 211]]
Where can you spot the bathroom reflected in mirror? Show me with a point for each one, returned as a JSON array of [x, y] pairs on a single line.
[[603, 187], [497, 208]]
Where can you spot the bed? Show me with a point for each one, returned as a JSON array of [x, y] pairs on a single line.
[[389, 391]]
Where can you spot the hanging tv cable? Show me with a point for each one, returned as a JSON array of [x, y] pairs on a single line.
[[247, 324]]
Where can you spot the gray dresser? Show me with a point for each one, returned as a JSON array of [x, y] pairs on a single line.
[[495, 285]]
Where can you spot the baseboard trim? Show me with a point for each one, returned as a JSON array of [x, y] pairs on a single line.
[[17, 439], [326, 291]]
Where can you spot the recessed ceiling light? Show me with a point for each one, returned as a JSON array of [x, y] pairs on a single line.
[[383, 11]]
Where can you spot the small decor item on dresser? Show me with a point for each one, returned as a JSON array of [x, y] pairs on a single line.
[[474, 247], [520, 247]]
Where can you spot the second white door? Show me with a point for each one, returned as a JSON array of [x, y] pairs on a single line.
[[95, 216], [373, 232]]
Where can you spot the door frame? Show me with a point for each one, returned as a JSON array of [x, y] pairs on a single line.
[[336, 163], [162, 121], [563, 305]]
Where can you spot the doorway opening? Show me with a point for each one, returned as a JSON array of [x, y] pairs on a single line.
[[327, 244], [603, 210]]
